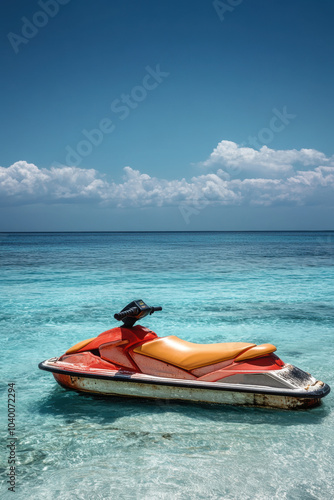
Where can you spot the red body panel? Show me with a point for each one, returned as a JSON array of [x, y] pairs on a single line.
[[136, 335], [87, 361], [256, 365], [113, 350]]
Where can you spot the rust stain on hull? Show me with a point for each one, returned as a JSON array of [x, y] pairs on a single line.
[[285, 402], [156, 391]]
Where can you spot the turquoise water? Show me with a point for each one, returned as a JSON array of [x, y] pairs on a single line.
[[57, 289]]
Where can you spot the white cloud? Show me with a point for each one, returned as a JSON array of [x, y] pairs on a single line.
[[23, 183], [301, 177], [266, 163]]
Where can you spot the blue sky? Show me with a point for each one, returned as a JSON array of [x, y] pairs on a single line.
[[178, 115]]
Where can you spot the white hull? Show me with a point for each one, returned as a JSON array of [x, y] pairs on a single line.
[[116, 383], [184, 392]]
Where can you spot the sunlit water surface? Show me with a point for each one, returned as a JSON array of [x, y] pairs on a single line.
[[58, 289]]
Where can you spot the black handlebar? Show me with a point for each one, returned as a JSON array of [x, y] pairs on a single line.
[[133, 311], [159, 308]]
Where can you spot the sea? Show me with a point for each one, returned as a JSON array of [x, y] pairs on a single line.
[[263, 287]]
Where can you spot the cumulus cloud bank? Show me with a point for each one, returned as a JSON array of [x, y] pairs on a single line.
[[264, 177], [266, 162]]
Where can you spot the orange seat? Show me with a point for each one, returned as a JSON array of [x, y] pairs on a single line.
[[257, 352], [188, 355]]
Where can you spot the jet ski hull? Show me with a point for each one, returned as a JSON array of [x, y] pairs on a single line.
[[133, 361], [120, 383]]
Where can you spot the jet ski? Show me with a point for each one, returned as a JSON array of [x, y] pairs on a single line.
[[131, 360]]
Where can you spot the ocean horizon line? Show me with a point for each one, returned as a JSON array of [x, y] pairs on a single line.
[[176, 231]]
